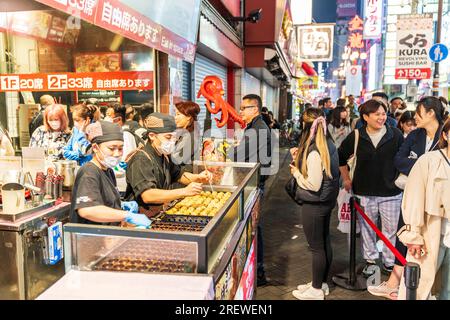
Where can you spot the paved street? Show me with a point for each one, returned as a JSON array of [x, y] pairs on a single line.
[[287, 258]]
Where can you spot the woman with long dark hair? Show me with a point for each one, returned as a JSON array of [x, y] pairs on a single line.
[[316, 170], [339, 127], [407, 122], [429, 117], [185, 119]]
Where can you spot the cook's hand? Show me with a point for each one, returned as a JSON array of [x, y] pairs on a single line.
[[130, 206], [293, 152], [416, 250], [193, 189], [294, 169], [347, 185], [204, 176], [137, 219]]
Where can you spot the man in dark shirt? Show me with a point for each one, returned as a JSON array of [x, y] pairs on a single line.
[[151, 172], [255, 150]]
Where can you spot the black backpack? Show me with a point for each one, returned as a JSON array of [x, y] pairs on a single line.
[[36, 122], [139, 141]]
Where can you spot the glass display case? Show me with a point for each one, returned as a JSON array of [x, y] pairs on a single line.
[[194, 243]]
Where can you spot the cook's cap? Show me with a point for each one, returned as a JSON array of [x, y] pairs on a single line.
[[104, 131], [160, 123]]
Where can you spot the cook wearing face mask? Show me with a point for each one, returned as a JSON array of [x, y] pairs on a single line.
[[54, 134], [151, 172], [95, 198]]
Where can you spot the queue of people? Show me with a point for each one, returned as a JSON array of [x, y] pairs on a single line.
[[399, 174]]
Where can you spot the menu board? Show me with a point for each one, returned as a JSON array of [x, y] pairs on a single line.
[[99, 62], [42, 25], [57, 28]]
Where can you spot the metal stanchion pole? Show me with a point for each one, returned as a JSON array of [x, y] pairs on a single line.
[[351, 280], [436, 79], [412, 276]]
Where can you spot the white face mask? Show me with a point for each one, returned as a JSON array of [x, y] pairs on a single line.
[[108, 119], [109, 161], [55, 125], [167, 147]]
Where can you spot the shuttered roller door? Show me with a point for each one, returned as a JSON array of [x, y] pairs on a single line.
[[205, 67], [187, 81]]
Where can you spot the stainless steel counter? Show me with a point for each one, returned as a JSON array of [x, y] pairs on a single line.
[[24, 273]]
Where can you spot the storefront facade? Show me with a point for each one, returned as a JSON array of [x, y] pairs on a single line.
[[219, 53], [125, 51], [271, 53]]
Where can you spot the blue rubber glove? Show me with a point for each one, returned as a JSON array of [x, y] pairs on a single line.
[[123, 165], [130, 206], [137, 219]]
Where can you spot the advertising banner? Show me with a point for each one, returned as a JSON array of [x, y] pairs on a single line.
[[373, 21], [414, 39], [117, 17], [308, 83], [353, 80], [315, 42], [346, 8], [247, 284], [74, 81]]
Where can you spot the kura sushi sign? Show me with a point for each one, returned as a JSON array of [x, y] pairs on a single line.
[[414, 39]]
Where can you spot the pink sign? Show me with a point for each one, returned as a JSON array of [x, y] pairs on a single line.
[[247, 284]]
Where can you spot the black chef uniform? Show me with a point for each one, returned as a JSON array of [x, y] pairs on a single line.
[[148, 170], [93, 187]]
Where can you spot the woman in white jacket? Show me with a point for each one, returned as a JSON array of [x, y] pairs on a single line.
[[426, 212]]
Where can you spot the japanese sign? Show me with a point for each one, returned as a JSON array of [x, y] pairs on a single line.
[[346, 8], [315, 42], [373, 15], [355, 28], [308, 83], [71, 81], [353, 80], [120, 18], [414, 34]]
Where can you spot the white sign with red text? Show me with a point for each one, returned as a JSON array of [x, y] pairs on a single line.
[[414, 39], [373, 18]]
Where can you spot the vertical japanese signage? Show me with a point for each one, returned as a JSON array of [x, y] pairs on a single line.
[[355, 29], [315, 42], [414, 39], [373, 17]]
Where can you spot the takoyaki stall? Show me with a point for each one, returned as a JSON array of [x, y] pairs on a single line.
[[201, 247]]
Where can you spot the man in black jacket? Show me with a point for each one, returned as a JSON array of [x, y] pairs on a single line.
[[255, 146]]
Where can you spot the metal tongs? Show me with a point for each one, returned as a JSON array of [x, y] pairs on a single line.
[[209, 180]]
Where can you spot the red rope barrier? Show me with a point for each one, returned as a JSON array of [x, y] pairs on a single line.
[[380, 234]]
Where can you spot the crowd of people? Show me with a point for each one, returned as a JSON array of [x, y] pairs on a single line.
[[395, 162]]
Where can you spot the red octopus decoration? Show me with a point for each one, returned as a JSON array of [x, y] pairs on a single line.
[[212, 89]]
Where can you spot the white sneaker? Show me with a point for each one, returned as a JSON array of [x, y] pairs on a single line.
[[382, 290], [325, 288], [309, 294]]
